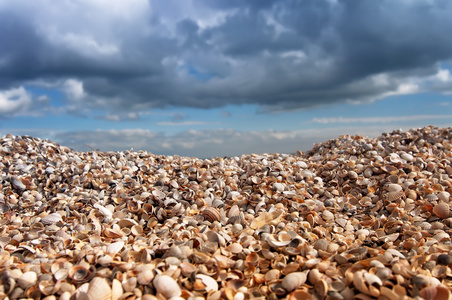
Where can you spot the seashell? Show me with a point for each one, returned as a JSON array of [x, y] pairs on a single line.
[[235, 248], [278, 187], [444, 196], [321, 244], [51, 219], [224, 262], [293, 280], [214, 237], [444, 259], [130, 284], [209, 283], [392, 187], [158, 195], [367, 283], [167, 286], [99, 289], [390, 169], [116, 290], [27, 279], [252, 259], [272, 275], [439, 271], [421, 281], [136, 230], [321, 288], [80, 274], [211, 214], [356, 254], [114, 248], [145, 276], [393, 196], [442, 210], [439, 292], [127, 223], [103, 210], [237, 219]]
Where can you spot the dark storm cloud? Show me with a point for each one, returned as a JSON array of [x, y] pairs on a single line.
[[277, 54]]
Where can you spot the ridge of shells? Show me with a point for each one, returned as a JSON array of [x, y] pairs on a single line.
[[353, 217]]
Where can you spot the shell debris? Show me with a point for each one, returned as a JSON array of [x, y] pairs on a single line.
[[354, 217]]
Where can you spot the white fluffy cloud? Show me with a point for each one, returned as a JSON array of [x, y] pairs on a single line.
[[14, 102]]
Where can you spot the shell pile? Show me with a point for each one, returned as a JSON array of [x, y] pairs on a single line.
[[353, 217]]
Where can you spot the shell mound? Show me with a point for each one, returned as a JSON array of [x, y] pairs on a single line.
[[352, 217]]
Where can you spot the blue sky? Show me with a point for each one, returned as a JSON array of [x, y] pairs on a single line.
[[214, 78]]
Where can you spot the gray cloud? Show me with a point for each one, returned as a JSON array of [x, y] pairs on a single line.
[[129, 57]]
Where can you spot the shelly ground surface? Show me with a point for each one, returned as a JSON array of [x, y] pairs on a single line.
[[353, 217]]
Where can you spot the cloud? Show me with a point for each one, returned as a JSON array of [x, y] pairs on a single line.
[[15, 102], [182, 123], [381, 119], [133, 56]]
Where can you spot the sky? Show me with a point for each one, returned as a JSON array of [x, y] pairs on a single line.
[[210, 78]]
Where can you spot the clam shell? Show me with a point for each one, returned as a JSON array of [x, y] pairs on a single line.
[[51, 219], [439, 292], [393, 196], [99, 289], [293, 280], [442, 210], [114, 248], [166, 286], [80, 274], [27, 279], [116, 290], [211, 214], [210, 283], [145, 276]]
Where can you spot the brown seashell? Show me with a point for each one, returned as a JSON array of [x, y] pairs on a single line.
[[99, 289], [442, 210], [252, 259], [211, 214], [302, 294], [390, 169], [393, 196], [356, 254], [439, 292]]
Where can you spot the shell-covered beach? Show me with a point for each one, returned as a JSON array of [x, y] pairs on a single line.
[[355, 217]]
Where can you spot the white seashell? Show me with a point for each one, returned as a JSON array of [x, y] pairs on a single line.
[[277, 243], [210, 283], [51, 219], [278, 187], [393, 187], [103, 210], [99, 289], [444, 196], [293, 280], [116, 289], [166, 286], [27, 279], [114, 248]]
